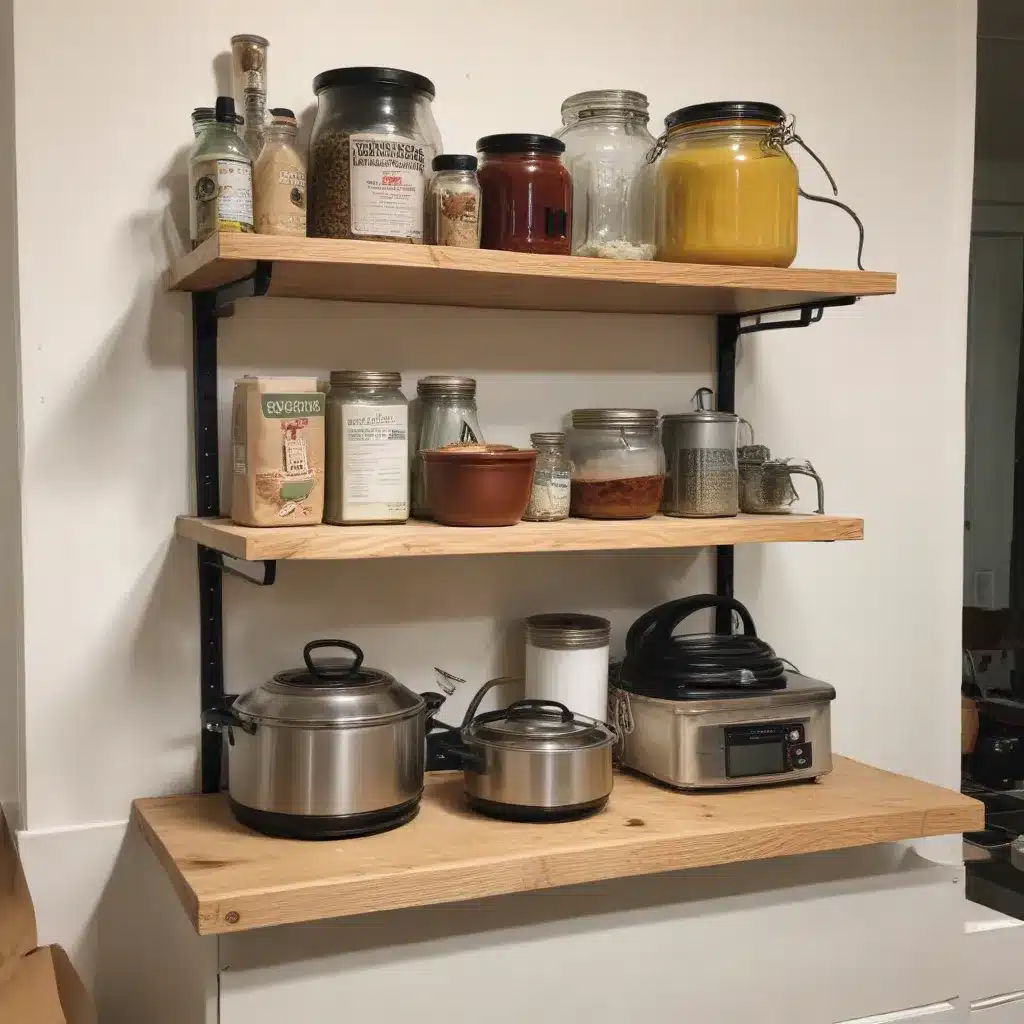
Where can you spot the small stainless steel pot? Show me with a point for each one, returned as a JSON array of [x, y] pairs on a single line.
[[534, 761], [326, 751]]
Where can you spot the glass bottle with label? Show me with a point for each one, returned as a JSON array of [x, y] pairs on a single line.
[[446, 415], [549, 499], [220, 177], [370, 152], [279, 179], [367, 473]]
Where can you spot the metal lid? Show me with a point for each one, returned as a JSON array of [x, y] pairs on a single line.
[[246, 37], [366, 378], [554, 437], [441, 386], [626, 419], [700, 416], [568, 631], [744, 110], [617, 100], [331, 692], [454, 162], [754, 453], [519, 142], [388, 78], [538, 725]]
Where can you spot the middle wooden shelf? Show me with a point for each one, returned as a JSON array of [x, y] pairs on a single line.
[[422, 538]]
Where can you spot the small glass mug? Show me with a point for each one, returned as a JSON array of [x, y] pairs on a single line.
[[766, 485]]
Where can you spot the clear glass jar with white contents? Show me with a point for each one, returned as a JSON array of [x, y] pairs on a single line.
[[367, 469], [549, 499]]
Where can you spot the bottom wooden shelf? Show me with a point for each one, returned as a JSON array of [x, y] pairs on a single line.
[[231, 879]]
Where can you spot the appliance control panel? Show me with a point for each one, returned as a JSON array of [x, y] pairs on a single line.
[[768, 748]]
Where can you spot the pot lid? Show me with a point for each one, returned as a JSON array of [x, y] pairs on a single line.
[[538, 725], [335, 692]]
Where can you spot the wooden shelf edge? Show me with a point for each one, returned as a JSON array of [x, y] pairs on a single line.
[[224, 886], [421, 539]]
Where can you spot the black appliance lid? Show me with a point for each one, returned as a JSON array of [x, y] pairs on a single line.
[[727, 110], [518, 142], [392, 77], [454, 162]]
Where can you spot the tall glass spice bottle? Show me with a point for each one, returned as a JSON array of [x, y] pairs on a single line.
[[279, 179], [249, 73], [220, 177], [549, 499]]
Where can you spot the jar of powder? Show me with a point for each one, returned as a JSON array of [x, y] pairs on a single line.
[[453, 202], [279, 179]]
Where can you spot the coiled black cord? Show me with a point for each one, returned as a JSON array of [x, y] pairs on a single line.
[[660, 664]]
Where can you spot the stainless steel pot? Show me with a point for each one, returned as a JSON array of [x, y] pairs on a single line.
[[534, 761], [326, 751]]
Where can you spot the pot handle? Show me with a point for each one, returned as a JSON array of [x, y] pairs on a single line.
[[474, 704], [806, 469], [662, 621], [224, 720], [522, 708], [433, 701], [328, 676], [468, 760]]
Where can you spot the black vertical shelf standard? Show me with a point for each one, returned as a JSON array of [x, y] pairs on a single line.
[[207, 309]]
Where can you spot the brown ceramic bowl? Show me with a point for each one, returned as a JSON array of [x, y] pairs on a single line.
[[480, 484]]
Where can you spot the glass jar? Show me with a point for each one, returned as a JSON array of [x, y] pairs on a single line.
[[446, 414], [366, 478], [726, 188], [249, 78], [549, 499], [527, 194], [453, 202], [373, 140], [279, 179], [606, 148], [201, 117], [618, 466]]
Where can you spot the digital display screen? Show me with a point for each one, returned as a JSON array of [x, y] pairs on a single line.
[[753, 759]]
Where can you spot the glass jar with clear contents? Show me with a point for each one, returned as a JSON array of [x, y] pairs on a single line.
[[606, 148], [726, 187], [549, 499], [618, 465]]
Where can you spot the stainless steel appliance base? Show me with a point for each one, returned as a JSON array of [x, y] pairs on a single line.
[[320, 827], [517, 812]]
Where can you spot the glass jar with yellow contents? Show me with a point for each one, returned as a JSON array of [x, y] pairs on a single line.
[[727, 190]]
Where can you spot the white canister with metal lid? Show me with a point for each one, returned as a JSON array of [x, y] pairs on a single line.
[[567, 661]]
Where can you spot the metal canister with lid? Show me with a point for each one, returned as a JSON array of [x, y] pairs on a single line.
[[446, 414], [567, 661], [701, 475], [366, 478]]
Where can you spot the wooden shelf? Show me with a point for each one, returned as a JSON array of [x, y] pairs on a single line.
[[321, 268], [416, 538], [231, 879]]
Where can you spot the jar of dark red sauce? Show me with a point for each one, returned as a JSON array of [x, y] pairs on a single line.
[[526, 194]]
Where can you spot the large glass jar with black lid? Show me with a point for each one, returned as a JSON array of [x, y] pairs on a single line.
[[606, 148], [367, 455], [618, 466], [526, 193], [373, 141]]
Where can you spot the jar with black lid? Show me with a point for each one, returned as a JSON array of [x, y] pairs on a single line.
[[526, 193], [370, 151]]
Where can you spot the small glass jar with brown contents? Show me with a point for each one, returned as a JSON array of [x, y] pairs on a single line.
[[618, 465], [526, 194]]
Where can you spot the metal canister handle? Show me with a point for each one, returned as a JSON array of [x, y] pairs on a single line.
[[806, 469]]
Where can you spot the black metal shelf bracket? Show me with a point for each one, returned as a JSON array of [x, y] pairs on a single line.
[[207, 308], [729, 329]]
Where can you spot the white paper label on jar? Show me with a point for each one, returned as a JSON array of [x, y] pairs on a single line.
[[386, 186], [223, 196], [375, 463]]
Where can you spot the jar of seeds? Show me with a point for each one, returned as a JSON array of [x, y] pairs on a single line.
[[370, 152], [702, 474], [549, 499], [453, 202]]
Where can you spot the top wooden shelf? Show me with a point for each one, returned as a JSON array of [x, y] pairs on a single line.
[[322, 268]]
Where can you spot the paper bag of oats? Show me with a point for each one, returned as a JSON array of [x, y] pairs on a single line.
[[277, 451]]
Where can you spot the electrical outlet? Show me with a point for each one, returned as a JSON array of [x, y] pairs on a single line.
[[984, 588]]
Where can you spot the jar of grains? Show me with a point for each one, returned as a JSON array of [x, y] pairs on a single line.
[[453, 202], [279, 179], [373, 141], [367, 462], [618, 466], [549, 499]]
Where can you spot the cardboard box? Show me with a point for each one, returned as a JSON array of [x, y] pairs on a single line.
[[38, 985]]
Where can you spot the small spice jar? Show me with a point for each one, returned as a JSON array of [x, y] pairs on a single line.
[[279, 179], [549, 499], [618, 466], [249, 76], [367, 465], [567, 661], [453, 202], [526, 193]]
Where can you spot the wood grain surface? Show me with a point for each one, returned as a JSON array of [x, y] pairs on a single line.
[[416, 538], [232, 879], [321, 268]]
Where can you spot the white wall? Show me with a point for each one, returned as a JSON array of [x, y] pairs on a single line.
[[873, 395]]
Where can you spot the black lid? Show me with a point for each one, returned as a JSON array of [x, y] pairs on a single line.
[[282, 112], [373, 76], [519, 143], [225, 110], [454, 162], [725, 111]]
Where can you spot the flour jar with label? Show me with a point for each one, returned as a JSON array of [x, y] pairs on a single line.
[[370, 152], [367, 478], [567, 658]]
